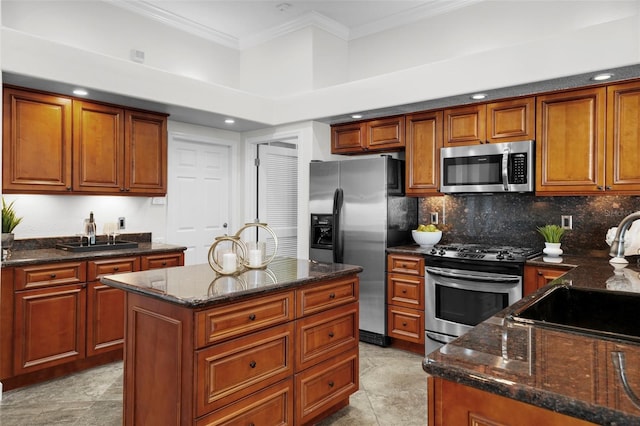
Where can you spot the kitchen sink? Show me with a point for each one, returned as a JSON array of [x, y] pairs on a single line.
[[79, 248], [596, 312]]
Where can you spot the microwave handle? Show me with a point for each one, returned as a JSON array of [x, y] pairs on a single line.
[[505, 168]]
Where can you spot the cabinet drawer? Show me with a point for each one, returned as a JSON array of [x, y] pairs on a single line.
[[405, 324], [158, 261], [273, 406], [112, 266], [325, 385], [50, 274], [399, 263], [313, 299], [405, 290], [322, 336], [238, 368], [218, 324]]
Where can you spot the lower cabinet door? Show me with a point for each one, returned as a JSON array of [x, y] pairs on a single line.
[[405, 324], [240, 367], [271, 406], [105, 319], [49, 327], [325, 385]]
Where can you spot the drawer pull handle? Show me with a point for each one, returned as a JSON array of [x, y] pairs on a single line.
[[53, 276], [164, 263], [252, 364], [116, 268], [404, 291], [332, 296], [252, 317], [404, 324], [331, 334], [331, 384]]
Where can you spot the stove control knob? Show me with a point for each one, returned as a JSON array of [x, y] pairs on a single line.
[[433, 251], [500, 256], [442, 252], [510, 257]]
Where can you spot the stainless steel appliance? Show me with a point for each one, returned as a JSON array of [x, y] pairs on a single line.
[[358, 209], [467, 283], [496, 167]]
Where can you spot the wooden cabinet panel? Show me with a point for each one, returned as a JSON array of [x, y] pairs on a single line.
[[536, 277], [119, 265], [98, 147], [422, 158], [509, 121], [385, 134], [145, 153], [405, 264], [49, 327], [406, 324], [239, 367], [405, 290], [313, 299], [231, 320], [158, 261], [347, 138], [50, 274], [6, 323], [322, 336], [623, 134], [273, 405], [570, 141], [465, 125], [105, 318], [36, 153], [325, 384]]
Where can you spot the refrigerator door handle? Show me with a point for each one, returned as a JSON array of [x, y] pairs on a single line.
[[337, 231]]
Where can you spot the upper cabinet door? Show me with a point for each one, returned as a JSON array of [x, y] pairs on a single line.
[[385, 134], [623, 137], [146, 153], [424, 140], [570, 142], [36, 142], [347, 138], [465, 125], [510, 121], [98, 148]]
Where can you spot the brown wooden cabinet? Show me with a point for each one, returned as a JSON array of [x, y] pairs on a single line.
[[366, 137], [406, 300], [536, 277], [55, 144], [456, 404], [623, 133], [36, 147], [503, 121], [422, 158]]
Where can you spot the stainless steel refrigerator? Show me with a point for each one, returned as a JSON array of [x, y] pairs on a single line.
[[358, 209]]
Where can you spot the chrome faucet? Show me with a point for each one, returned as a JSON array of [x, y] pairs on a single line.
[[617, 246]]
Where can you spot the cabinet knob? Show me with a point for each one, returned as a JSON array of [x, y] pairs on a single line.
[[608, 188], [331, 334], [116, 268], [53, 276], [404, 291], [332, 296], [252, 317], [164, 263], [68, 188], [121, 189], [404, 324], [331, 384], [540, 273], [252, 364], [600, 188]]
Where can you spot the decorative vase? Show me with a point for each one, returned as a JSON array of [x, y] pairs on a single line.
[[552, 249], [7, 240]]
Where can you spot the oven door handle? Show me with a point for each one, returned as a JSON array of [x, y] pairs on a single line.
[[456, 273]]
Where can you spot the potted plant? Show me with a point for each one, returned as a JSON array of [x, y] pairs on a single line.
[[9, 221], [552, 235]]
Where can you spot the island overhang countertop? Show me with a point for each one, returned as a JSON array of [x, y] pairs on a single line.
[[199, 286]]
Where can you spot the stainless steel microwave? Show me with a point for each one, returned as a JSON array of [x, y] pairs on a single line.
[[496, 167]]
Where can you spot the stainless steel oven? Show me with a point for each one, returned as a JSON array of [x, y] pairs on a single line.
[[465, 286]]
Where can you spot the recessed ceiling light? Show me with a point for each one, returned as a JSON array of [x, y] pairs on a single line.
[[602, 76], [479, 96], [356, 116], [80, 92], [229, 121]]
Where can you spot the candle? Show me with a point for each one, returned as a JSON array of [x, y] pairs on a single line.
[[229, 263], [255, 257]]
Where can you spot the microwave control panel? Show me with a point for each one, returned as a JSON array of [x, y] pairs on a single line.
[[518, 168]]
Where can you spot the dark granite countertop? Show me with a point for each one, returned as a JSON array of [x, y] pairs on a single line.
[[42, 250], [199, 286], [570, 373]]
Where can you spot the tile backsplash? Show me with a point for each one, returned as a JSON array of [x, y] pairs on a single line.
[[511, 219]]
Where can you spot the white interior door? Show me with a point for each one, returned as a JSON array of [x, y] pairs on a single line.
[[198, 203], [278, 194]]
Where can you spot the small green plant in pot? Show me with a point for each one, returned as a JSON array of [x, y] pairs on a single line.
[[9, 221], [552, 235]]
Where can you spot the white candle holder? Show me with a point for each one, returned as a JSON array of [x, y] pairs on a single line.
[[229, 260], [256, 253]]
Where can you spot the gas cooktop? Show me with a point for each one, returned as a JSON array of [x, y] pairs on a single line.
[[483, 252]]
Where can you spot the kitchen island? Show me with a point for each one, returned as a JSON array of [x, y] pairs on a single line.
[[279, 343], [515, 374]]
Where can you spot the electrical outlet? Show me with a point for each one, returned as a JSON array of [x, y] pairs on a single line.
[[434, 218], [567, 221], [121, 223]]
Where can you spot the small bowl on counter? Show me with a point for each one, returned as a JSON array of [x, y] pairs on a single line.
[[426, 239]]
